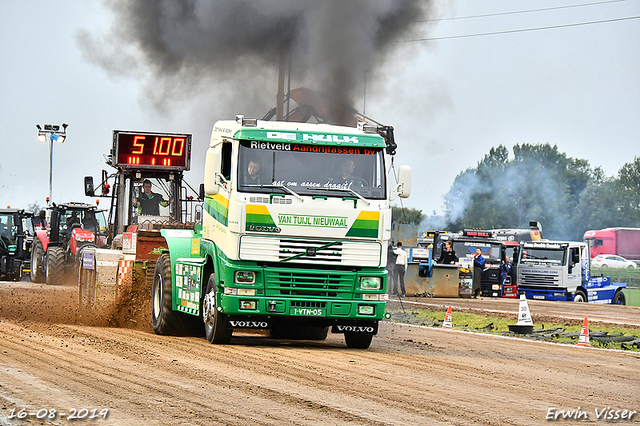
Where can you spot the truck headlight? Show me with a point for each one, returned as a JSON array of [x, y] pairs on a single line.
[[370, 283], [245, 277], [366, 310]]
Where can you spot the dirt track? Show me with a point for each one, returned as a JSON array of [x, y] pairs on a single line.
[[409, 376]]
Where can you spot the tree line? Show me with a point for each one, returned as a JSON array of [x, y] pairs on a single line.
[[566, 195]]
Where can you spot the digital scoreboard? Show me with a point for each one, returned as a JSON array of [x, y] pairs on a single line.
[[149, 150]]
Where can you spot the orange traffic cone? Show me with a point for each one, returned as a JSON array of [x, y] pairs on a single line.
[[583, 340], [447, 324]]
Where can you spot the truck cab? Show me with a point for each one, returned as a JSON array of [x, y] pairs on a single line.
[[297, 218], [554, 270]]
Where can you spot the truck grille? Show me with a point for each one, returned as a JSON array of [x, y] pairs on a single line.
[[538, 279], [308, 251], [307, 283]]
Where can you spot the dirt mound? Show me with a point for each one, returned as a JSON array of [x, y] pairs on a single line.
[[133, 308], [58, 304]]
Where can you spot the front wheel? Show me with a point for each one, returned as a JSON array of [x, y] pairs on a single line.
[[215, 327], [37, 271], [619, 298], [163, 319], [357, 340], [580, 296]]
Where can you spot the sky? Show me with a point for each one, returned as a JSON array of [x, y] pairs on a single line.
[[477, 74]]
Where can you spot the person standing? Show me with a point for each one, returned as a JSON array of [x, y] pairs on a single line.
[[478, 267], [478, 259], [391, 266], [505, 268], [400, 270]]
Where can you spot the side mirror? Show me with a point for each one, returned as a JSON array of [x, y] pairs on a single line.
[[211, 165], [201, 192], [404, 181], [88, 186]]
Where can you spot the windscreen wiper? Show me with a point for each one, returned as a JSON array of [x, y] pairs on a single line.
[[349, 190]]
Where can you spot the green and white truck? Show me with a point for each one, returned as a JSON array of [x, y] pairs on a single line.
[[297, 247]]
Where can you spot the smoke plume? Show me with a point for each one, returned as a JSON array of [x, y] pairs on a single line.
[[230, 50]]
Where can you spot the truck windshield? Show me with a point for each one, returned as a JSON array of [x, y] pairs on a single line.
[[332, 171], [490, 251], [555, 257]]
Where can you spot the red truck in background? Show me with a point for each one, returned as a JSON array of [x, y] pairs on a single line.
[[624, 242]]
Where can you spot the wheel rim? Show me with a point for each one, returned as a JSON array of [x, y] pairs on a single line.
[[208, 309]]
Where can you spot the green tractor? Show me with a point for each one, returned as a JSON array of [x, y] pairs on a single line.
[[16, 236]]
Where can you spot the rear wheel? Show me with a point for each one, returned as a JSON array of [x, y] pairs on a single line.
[[215, 327], [163, 319], [580, 296], [54, 266], [357, 340], [37, 271], [619, 298]]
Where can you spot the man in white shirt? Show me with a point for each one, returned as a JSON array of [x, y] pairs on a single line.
[[399, 271]]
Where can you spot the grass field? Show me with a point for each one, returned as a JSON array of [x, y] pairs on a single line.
[[600, 336]]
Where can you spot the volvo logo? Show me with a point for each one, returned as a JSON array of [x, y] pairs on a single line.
[[355, 329], [311, 251], [249, 324]]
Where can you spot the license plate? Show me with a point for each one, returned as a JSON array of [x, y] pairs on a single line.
[[308, 312]]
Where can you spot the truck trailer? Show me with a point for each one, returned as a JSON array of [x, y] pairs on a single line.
[[624, 242], [297, 247]]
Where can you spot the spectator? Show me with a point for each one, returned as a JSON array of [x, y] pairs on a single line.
[[399, 271]]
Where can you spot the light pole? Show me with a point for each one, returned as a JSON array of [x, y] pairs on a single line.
[[52, 133]]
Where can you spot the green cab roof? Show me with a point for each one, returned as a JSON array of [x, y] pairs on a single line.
[[311, 138]]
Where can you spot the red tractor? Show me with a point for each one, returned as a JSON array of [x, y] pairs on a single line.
[[67, 230]]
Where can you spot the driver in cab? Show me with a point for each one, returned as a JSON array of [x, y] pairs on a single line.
[[346, 174]]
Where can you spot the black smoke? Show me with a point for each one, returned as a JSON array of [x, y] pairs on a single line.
[[229, 50]]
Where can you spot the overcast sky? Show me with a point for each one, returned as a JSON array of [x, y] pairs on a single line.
[[458, 89]]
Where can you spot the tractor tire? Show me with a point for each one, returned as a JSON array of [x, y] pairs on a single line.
[[37, 270], [580, 296], [215, 322], [54, 266], [357, 340], [619, 298], [164, 319]]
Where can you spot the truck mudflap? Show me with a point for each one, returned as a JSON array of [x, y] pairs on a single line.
[[359, 327]]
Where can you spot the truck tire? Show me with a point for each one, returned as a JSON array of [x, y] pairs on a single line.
[[358, 340], [580, 296], [37, 270], [54, 266], [215, 322], [163, 319], [619, 298]]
